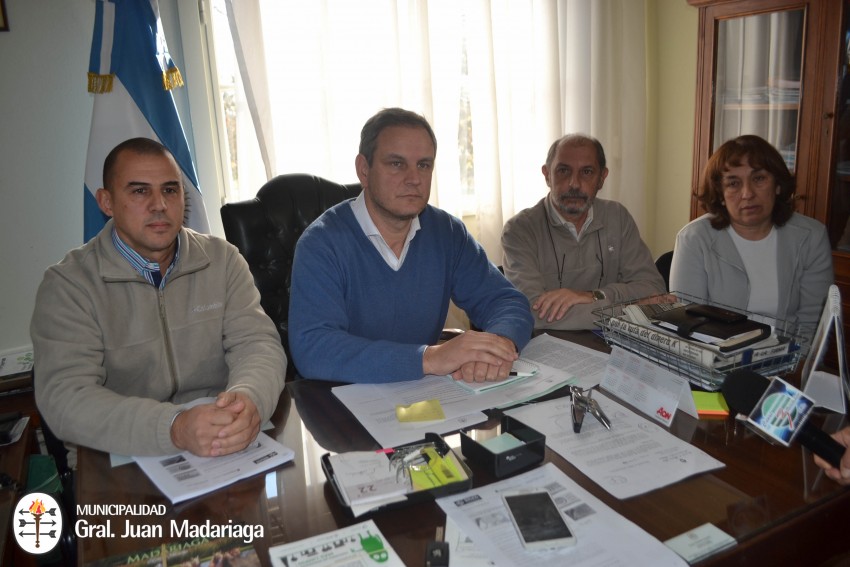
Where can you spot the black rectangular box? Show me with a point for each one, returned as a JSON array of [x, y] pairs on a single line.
[[512, 461]]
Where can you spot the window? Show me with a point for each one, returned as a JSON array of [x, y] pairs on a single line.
[[306, 47], [490, 75], [242, 155]]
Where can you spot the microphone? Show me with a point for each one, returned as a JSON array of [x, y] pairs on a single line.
[[743, 389]]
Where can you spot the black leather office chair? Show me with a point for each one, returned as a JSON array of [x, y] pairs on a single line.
[[663, 265], [266, 228]]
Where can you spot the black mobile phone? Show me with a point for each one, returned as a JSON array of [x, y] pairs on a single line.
[[715, 313], [538, 521]]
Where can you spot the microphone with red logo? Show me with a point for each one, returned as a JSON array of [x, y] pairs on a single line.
[[779, 412]]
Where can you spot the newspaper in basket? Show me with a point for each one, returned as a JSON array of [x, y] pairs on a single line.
[[633, 326]]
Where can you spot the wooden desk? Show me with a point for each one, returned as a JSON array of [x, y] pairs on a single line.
[[771, 499]]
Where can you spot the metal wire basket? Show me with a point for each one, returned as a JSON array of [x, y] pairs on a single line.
[[703, 365]]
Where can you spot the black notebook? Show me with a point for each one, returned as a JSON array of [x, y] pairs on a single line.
[[699, 322]]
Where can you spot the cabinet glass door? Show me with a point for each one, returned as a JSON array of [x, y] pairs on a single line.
[[757, 89]]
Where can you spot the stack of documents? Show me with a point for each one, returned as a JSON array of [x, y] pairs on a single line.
[[367, 481], [559, 363], [184, 475], [521, 370], [603, 537], [633, 458]]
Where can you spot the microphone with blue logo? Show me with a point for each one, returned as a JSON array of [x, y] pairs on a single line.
[[779, 412]]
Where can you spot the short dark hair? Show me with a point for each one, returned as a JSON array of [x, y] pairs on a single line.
[[140, 146], [759, 154], [386, 118], [577, 140]]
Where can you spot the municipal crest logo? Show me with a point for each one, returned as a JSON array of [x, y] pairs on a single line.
[[37, 523]]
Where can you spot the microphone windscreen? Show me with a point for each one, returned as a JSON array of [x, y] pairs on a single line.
[[742, 390]]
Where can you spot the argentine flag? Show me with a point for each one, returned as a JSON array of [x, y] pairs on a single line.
[[132, 74]]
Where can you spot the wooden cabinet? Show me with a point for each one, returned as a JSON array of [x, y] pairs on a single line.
[[781, 69]]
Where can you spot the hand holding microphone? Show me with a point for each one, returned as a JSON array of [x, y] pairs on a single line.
[[840, 474], [782, 413]]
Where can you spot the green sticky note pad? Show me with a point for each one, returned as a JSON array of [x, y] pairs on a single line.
[[428, 410], [710, 403], [502, 443]]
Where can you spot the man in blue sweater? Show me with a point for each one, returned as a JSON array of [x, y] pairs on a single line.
[[373, 276]]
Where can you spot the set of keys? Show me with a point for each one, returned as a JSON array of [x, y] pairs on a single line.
[[582, 403]]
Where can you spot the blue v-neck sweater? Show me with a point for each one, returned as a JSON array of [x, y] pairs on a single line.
[[354, 319]]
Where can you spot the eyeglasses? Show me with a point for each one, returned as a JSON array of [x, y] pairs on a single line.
[[759, 180]]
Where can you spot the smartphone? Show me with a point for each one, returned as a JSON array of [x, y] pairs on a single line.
[[715, 313], [537, 520]]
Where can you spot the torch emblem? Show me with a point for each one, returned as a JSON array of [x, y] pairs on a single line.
[[39, 523]]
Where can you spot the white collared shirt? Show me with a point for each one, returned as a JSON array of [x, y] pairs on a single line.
[[358, 207], [558, 219]]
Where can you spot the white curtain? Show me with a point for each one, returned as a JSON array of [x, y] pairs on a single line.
[[524, 71], [759, 66]]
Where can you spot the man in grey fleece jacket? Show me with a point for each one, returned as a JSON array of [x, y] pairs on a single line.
[[572, 253], [148, 316]]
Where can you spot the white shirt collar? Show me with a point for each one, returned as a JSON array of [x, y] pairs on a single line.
[[364, 219], [556, 218]]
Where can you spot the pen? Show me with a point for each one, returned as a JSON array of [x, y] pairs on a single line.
[[515, 373]]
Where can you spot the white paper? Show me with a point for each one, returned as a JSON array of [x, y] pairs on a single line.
[[184, 475], [521, 370], [367, 481], [118, 460], [374, 404], [585, 365], [360, 545], [379, 419], [462, 550], [654, 390], [700, 542], [633, 457], [603, 537]]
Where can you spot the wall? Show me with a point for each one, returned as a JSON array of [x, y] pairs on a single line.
[[47, 116], [673, 57], [44, 137], [44, 134]]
